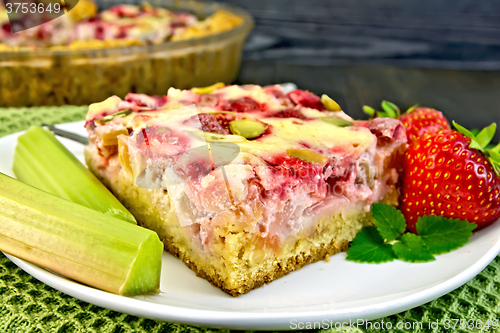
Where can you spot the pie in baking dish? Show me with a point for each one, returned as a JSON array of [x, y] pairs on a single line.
[[84, 27]]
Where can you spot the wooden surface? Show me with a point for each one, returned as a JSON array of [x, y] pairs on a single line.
[[431, 33], [472, 98], [442, 54]]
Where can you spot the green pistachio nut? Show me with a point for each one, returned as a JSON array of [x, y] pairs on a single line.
[[330, 104], [307, 155], [118, 114], [209, 89], [247, 128], [337, 121]]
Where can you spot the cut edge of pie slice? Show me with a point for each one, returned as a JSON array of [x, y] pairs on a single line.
[[244, 183]]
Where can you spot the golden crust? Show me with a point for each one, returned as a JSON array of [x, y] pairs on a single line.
[[277, 271]]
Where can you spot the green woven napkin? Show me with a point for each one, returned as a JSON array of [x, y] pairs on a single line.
[[27, 305]]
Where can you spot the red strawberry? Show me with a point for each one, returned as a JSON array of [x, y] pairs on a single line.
[[213, 122], [451, 174], [289, 113], [244, 104], [225, 118], [210, 100], [417, 120], [421, 121], [306, 99], [152, 102], [209, 123]]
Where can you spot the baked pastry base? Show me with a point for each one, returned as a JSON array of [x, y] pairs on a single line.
[[237, 260]]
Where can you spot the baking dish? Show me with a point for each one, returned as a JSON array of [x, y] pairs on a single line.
[[57, 77]]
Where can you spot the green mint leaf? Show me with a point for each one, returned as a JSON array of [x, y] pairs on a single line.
[[412, 248], [486, 135], [369, 110], [382, 114], [443, 235], [390, 221], [463, 130], [391, 109], [369, 247]]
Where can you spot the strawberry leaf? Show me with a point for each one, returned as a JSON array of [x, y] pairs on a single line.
[[496, 148], [496, 167], [494, 155], [486, 135], [391, 109], [494, 158], [474, 144], [475, 131], [412, 108], [369, 247], [464, 130], [390, 222], [369, 110], [480, 140], [443, 235], [412, 248]]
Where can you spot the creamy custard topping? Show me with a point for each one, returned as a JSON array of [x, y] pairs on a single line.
[[251, 151]]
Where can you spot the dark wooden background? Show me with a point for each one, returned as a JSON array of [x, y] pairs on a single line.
[[443, 54]]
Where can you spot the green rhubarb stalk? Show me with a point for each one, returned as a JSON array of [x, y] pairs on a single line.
[[42, 161], [78, 242]]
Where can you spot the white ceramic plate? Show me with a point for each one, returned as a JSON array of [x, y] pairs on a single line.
[[336, 291]]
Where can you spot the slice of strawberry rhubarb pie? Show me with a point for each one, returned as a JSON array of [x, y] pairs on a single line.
[[245, 183]]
